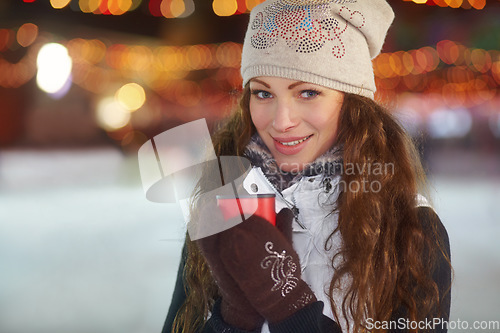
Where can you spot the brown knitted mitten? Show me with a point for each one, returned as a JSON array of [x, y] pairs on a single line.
[[265, 266]]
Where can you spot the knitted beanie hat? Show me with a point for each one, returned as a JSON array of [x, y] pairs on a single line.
[[326, 42]]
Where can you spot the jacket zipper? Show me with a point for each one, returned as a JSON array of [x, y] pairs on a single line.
[[291, 206]]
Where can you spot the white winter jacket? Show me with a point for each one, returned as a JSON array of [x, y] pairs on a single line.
[[316, 199]]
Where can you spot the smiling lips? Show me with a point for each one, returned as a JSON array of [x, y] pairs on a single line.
[[290, 146]]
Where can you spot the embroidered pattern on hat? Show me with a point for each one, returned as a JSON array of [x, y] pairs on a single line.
[[305, 26]]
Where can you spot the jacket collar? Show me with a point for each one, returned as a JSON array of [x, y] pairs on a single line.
[[259, 155]]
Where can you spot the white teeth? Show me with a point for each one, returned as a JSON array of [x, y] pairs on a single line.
[[293, 143]]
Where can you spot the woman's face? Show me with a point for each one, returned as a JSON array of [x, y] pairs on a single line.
[[296, 120]]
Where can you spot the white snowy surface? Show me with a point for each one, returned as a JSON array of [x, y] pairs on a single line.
[[82, 250]]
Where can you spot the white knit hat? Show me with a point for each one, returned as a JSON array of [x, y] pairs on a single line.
[[326, 42]]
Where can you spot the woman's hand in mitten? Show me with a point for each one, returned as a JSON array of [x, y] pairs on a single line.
[[234, 307], [265, 266]]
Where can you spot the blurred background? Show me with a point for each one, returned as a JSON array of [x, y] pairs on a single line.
[[84, 83]]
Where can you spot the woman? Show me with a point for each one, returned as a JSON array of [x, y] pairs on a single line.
[[357, 247]]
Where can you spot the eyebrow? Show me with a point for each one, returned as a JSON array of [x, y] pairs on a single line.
[[293, 85], [261, 82]]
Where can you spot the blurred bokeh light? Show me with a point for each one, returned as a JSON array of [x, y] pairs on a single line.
[[54, 68], [131, 96]]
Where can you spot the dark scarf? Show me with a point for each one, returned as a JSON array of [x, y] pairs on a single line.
[[327, 164]]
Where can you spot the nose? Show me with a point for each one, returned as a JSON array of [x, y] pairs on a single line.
[[285, 119]]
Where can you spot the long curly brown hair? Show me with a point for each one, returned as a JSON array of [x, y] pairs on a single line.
[[383, 240]]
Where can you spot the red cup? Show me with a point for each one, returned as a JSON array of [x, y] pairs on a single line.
[[262, 205]]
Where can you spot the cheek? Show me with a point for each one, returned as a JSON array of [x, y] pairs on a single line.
[[260, 117], [326, 123]]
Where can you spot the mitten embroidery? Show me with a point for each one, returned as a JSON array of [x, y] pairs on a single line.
[[304, 300], [282, 269]]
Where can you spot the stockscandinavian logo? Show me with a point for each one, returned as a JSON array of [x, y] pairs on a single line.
[[173, 162]]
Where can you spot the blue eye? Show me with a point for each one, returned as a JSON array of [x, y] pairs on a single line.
[[262, 94], [309, 93]]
